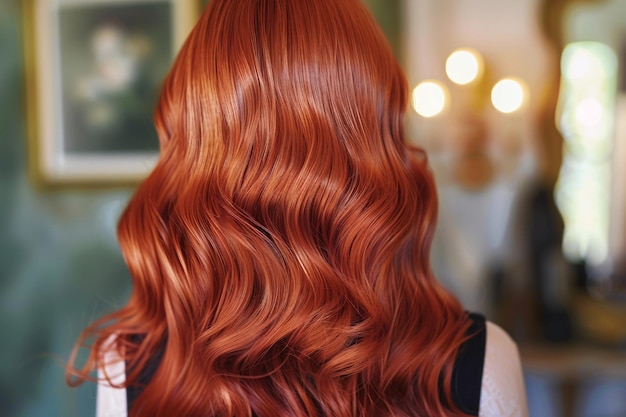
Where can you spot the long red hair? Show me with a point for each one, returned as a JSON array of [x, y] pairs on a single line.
[[280, 248]]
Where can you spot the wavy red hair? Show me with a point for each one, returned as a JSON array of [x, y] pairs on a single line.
[[280, 246]]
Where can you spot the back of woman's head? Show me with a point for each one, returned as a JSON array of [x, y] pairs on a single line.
[[280, 246]]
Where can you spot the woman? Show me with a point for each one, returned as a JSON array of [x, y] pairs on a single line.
[[279, 249]]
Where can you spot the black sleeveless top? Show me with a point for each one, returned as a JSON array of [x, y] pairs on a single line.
[[467, 373]]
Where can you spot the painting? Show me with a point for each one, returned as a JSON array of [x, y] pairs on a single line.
[[94, 68]]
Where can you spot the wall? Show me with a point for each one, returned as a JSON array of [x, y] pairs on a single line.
[[59, 262]]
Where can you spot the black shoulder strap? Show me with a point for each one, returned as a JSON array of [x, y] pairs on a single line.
[[467, 374], [145, 376]]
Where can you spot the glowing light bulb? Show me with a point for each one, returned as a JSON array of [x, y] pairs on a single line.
[[429, 98], [508, 95], [464, 65]]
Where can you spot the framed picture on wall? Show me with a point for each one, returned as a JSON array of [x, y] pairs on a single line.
[[94, 68]]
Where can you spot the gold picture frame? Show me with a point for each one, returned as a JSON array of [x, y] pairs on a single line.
[[93, 70]]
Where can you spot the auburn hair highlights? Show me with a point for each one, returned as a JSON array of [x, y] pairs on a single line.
[[279, 250]]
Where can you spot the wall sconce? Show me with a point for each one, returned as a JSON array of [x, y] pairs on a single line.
[[465, 66]]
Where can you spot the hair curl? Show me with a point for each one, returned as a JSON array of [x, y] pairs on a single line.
[[280, 247]]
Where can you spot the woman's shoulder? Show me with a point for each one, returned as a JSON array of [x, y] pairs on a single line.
[[487, 375], [499, 343], [503, 392]]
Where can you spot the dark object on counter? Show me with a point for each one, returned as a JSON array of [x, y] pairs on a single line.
[[552, 273]]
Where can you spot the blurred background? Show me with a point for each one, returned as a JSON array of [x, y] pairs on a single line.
[[521, 105]]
